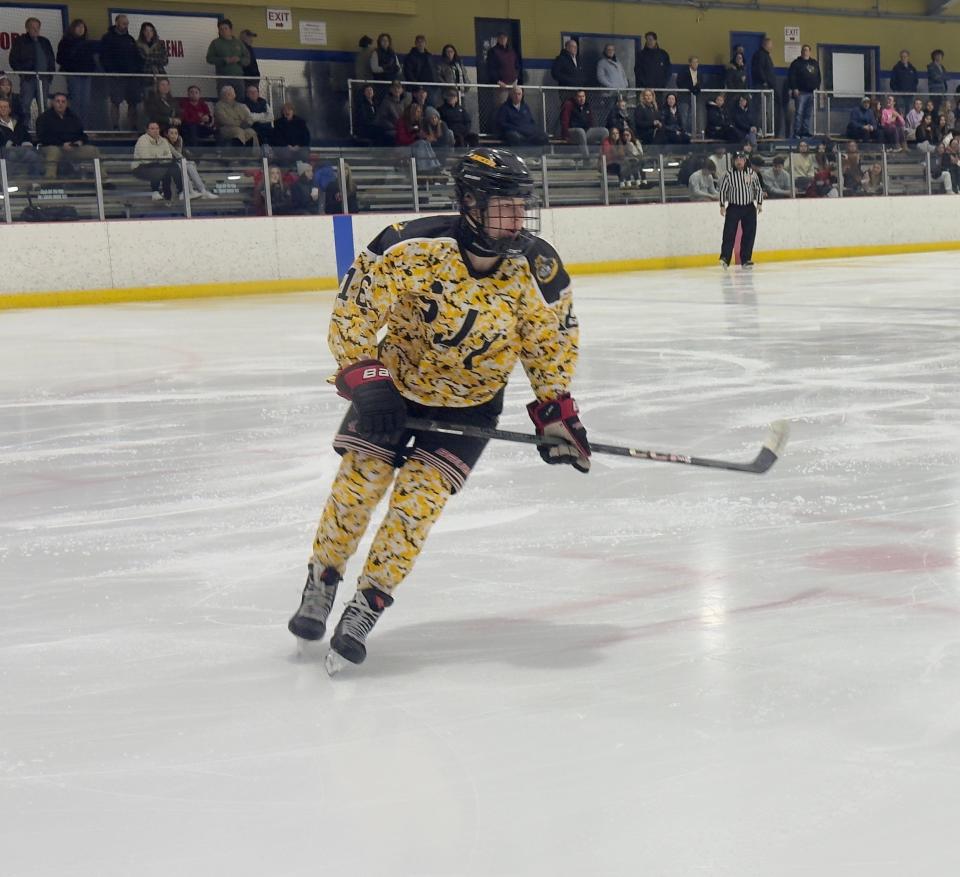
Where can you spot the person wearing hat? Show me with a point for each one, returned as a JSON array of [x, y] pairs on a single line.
[[863, 124], [741, 199], [251, 70]]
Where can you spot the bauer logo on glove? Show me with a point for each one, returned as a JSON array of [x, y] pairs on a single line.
[[560, 419]]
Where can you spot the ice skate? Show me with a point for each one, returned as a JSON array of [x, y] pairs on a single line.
[[309, 622], [348, 643]]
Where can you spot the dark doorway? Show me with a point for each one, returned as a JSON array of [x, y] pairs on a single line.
[[751, 41], [486, 30]]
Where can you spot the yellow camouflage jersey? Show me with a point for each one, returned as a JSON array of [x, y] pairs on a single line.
[[454, 336]]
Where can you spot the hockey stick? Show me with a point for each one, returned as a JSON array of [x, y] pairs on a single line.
[[771, 450]]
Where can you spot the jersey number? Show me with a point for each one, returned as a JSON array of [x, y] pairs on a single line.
[[462, 333]]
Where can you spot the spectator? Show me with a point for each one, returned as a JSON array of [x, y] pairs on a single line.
[[76, 55], [721, 161], [365, 117], [775, 179], [228, 55], [947, 169], [7, 94], [893, 125], [804, 166], [118, 54], [803, 79], [703, 183], [567, 69], [154, 163], [408, 125], [251, 70], [576, 123], [196, 118], [763, 72], [926, 135], [516, 124], [647, 121], [333, 195], [60, 136], [153, 51], [15, 145], [719, 123], [743, 121], [281, 195], [361, 64], [161, 106], [310, 185], [457, 119], [824, 182], [904, 77], [505, 68], [612, 150], [914, 118], [261, 112], [196, 185], [652, 67], [690, 84], [852, 170], [420, 95], [873, 180], [32, 53], [234, 123], [389, 112], [673, 130], [435, 132], [634, 157], [384, 63], [863, 124], [451, 70], [418, 65], [618, 118], [937, 78], [610, 72], [411, 132], [291, 136], [735, 73]]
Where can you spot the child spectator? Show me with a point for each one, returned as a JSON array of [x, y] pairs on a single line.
[[435, 131], [743, 121], [154, 162], [618, 118], [852, 170], [281, 196], [613, 151], [457, 119], [873, 180], [893, 125], [179, 149], [410, 133], [673, 130], [633, 153], [76, 55], [196, 117]]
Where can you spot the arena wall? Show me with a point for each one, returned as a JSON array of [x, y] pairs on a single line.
[[93, 262]]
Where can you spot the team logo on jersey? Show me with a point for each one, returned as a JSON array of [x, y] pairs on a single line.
[[546, 268]]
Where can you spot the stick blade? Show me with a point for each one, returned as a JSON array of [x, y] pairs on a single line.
[[773, 446]]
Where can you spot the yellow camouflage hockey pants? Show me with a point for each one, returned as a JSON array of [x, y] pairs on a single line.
[[420, 492]]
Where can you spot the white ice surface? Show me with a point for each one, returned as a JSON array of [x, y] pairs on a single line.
[[651, 670]]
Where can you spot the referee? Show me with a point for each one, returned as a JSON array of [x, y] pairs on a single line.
[[741, 199]]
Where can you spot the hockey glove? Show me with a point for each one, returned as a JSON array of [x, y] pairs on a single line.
[[560, 418], [381, 410]]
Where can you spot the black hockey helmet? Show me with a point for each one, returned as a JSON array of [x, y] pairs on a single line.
[[485, 173]]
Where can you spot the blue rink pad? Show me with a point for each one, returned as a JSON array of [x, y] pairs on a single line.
[[343, 243]]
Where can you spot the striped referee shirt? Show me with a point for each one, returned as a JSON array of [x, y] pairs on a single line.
[[741, 188]]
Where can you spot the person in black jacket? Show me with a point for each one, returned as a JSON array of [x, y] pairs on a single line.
[[673, 130], [118, 54], [418, 66], [648, 124], [719, 124], [76, 54], [652, 67], [742, 118], [618, 118], [904, 79], [291, 137], [763, 72], [803, 79], [31, 52], [735, 73], [15, 144], [251, 71], [567, 69], [690, 84], [60, 135], [365, 128], [457, 119]]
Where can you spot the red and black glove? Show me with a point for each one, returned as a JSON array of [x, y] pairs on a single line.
[[560, 418], [381, 410]]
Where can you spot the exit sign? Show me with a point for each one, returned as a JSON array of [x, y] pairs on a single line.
[[279, 19]]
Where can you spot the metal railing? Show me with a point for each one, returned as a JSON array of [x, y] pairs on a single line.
[[96, 86], [832, 109], [394, 180], [545, 102]]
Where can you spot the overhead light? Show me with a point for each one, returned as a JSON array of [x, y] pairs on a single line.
[[233, 177], [673, 164]]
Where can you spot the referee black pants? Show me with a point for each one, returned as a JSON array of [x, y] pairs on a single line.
[[739, 215]]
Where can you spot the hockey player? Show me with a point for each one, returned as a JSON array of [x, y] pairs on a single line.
[[462, 298]]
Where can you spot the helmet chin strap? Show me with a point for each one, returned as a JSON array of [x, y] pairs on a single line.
[[474, 238]]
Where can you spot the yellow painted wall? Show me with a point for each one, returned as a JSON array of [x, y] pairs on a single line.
[[683, 31]]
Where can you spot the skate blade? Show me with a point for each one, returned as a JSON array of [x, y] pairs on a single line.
[[334, 663]]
